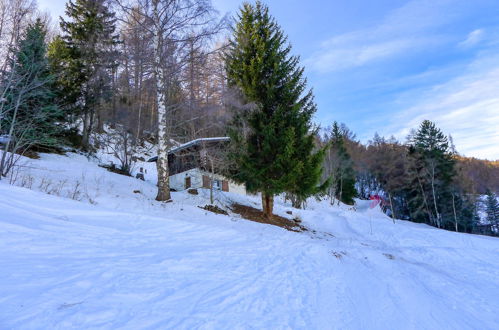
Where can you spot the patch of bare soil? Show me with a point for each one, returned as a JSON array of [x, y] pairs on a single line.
[[214, 209], [256, 215]]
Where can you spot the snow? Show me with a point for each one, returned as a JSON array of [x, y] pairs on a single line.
[[191, 143], [107, 257], [196, 141]]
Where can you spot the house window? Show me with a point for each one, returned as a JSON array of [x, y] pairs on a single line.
[[217, 184]]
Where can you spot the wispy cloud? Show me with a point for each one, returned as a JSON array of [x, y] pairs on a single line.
[[473, 38], [357, 53], [429, 59], [466, 107], [404, 30]]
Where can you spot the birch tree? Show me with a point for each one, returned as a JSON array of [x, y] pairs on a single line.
[[15, 15], [173, 24]]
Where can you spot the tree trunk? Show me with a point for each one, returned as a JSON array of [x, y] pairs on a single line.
[[100, 120], [296, 202], [454, 209], [267, 205], [434, 195], [162, 162], [138, 135], [3, 171], [85, 137], [391, 206], [212, 175], [341, 190], [424, 200], [163, 177]]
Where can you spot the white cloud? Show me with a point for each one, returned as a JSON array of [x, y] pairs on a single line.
[[473, 38], [357, 53], [466, 107], [407, 29]]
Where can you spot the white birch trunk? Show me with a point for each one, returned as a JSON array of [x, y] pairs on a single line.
[[434, 194], [391, 206], [162, 162]]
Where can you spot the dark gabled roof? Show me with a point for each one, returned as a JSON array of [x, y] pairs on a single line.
[[192, 143]]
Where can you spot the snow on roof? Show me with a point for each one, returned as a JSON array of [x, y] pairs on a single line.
[[192, 143]]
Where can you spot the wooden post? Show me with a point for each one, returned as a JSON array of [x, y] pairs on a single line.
[[391, 206], [454, 209]]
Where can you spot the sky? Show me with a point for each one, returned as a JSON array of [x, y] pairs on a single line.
[[386, 65]]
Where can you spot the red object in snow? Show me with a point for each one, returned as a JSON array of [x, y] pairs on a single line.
[[376, 200]]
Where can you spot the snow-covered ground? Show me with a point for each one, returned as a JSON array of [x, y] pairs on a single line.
[[86, 251]]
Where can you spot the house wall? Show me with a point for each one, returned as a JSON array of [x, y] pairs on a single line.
[[177, 181], [237, 188]]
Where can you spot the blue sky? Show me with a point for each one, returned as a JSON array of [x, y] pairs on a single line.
[[384, 66]]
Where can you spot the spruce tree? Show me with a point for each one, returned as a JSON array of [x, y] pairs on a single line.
[[272, 143], [432, 169], [34, 117], [89, 59], [343, 175], [65, 84]]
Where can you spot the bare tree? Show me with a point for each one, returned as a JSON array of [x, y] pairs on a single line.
[[215, 160], [14, 17], [122, 144], [172, 24]]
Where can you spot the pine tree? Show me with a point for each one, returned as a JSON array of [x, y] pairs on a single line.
[[274, 151], [343, 174], [88, 60], [431, 170]]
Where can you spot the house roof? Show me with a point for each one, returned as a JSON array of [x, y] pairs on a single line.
[[192, 143]]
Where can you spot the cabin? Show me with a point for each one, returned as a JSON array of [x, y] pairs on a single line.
[[200, 164]]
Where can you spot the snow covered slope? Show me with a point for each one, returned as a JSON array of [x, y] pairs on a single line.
[[113, 258]]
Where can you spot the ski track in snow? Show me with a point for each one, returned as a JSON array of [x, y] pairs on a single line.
[[129, 262]]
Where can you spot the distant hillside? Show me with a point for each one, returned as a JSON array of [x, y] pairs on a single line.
[[483, 174]]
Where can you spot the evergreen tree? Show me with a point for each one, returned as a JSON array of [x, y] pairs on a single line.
[[274, 151], [306, 183], [87, 59], [33, 116], [431, 166], [58, 55], [492, 208], [343, 174]]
